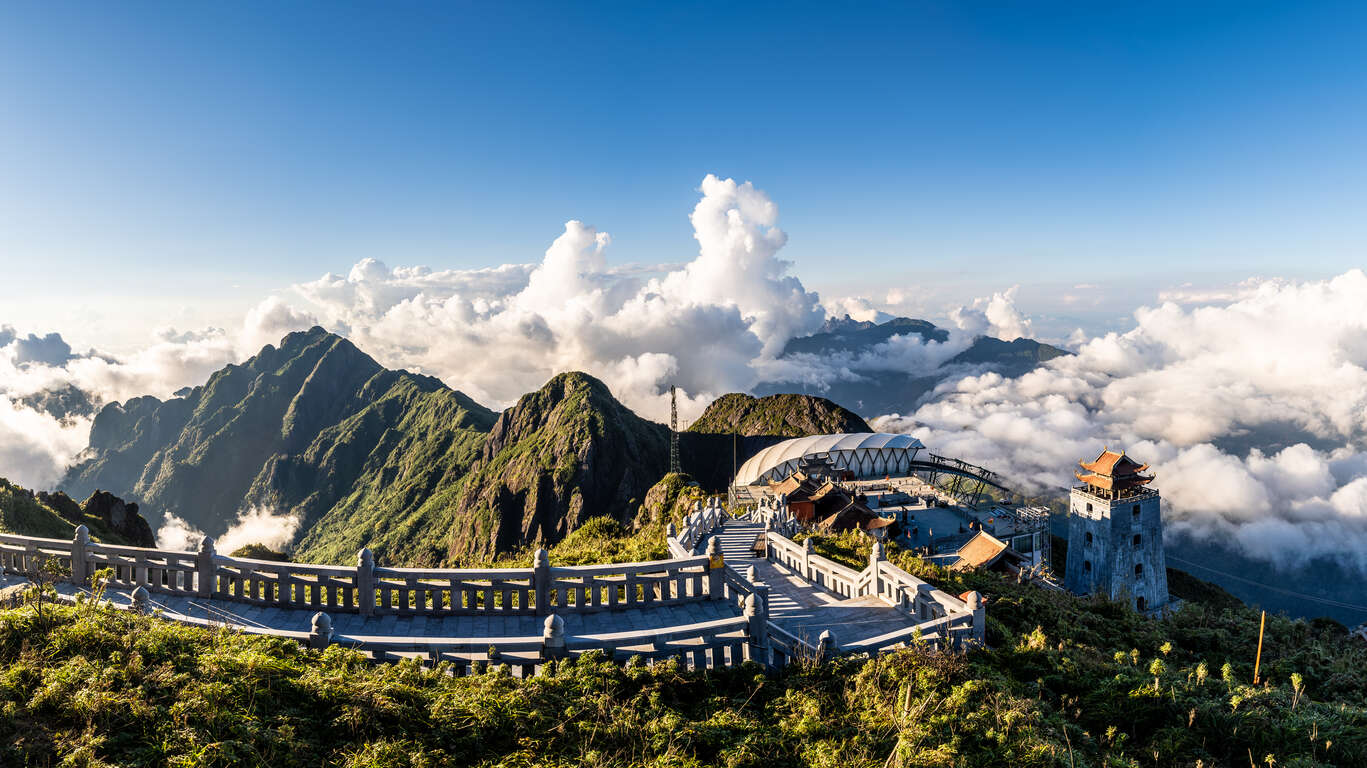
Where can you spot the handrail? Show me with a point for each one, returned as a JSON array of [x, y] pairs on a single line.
[[541, 590], [915, 597], [369, 589]]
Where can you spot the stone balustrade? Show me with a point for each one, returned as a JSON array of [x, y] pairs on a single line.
[[367, 589], [943, 618], [696, 525], [541, 590], [773, 514]]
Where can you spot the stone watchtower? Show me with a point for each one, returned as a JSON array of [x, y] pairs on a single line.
[[1115, 533]]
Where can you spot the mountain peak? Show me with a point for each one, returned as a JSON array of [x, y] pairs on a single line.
[[294, 429], [785, 415], [564, 453]]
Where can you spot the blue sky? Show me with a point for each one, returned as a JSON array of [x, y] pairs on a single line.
[[192, 157]]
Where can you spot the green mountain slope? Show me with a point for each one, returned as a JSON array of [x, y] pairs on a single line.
[[563, 454], [785, 415], [409, 467], [362, 456], [1010, 358], [297, 429]]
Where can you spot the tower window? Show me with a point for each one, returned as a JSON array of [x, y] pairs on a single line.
[[1139, 570], [1089, 506], [1136, 541], [1086, 566], [1088, 537], [1141, 604], [1136, 511]]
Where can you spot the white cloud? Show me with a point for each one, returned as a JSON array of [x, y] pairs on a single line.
[[178, 535], [256, 525], [259, 525], [35, 448], [993, 316], [709, 325], [1283, 365]]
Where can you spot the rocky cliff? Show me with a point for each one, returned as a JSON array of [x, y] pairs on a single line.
[[563, 454]]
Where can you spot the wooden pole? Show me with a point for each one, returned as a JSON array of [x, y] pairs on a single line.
[[1257, 662]]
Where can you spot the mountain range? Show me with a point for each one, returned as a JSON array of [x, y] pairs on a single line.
[[872, 386], [315, 432]]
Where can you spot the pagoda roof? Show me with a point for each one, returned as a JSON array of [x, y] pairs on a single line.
[[1114, 483], [1113, 464]]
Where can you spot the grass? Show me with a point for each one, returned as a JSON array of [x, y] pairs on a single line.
[[1080, 687], [1066, 681]]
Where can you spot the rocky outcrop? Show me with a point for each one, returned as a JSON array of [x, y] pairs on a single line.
[[63, 505], [56, 515], [103, 510], [120, 517], [670, 499]]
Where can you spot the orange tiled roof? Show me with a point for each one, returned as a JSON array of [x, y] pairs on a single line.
[[1112, 463], [821, 492], [980, 550], [1113, 483]]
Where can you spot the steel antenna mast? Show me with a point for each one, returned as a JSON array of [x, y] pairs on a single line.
[[673, 430]]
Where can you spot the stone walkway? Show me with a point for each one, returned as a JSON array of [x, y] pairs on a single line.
[[801, 607], [796, 605]]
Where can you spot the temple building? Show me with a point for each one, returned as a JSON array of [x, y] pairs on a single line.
[[1115, 533]]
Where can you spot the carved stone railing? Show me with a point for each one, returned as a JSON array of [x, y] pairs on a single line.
[[683, 542], [915, 597], [773, 514], [540, 590], [370, 590]]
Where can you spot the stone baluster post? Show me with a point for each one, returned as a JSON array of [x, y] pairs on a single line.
[[80, 567], [321, 634], [553, 638], [716, 568], [825, 645], [756, 611], [807, 559], [876, 558], [924, 600], [365, 583], [204, 568], [750, 574], [975, 604], [541, 580], [139, 598]]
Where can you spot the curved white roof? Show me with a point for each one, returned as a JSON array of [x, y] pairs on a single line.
[[789, 450]]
